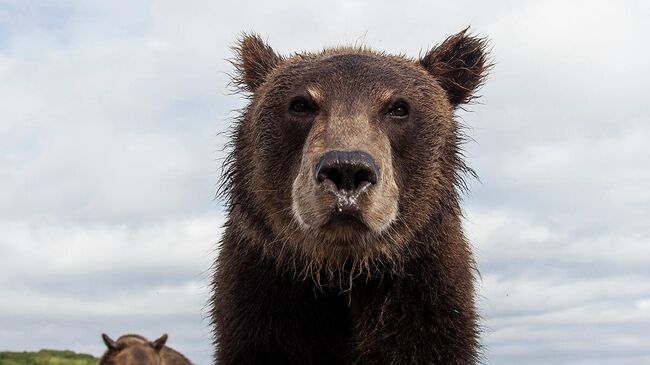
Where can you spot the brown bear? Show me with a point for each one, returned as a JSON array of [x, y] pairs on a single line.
[[137, 350], [343, 240]]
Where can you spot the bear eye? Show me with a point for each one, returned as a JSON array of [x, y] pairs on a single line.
[[399, 110], [299, 105]]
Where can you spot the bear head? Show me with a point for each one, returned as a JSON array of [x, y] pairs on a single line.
[[342, 155]]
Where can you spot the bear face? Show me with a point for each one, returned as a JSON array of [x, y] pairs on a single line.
[[343, 155], [132, 350], [136, 350]]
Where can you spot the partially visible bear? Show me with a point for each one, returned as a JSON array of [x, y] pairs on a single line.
[[137, 350], [343, 243]]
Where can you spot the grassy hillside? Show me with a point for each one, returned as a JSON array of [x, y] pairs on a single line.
[[46, 357]]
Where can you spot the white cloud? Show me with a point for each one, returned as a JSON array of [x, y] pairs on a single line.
[[501, 236], [548, 292], [156, 302], [115, 128], [52, 250]]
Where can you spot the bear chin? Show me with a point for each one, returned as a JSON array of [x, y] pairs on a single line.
[[346, 222]]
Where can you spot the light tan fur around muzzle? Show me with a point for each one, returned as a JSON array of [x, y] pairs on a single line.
[[343, 130]]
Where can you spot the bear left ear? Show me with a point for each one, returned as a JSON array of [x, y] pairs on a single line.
[[460, 64], [254, 60], [110, 344]]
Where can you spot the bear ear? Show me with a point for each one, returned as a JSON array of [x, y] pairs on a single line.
[[159, 343], [254, 60], [108, 342], [460, 64]]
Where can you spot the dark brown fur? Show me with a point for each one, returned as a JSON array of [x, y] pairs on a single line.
[[291, 287], [137, 350]]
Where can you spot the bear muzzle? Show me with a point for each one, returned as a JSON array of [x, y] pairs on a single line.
[[346, 175], [344, 192]]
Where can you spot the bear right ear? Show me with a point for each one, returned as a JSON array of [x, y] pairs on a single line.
[[108, 342], [254, 60], [460, 64]]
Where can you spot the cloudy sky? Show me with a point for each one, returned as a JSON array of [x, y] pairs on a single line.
[[110, 149]]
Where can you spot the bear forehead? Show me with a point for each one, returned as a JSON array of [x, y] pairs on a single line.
[[331, 71]]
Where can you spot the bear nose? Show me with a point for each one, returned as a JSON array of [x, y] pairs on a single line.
[[348, 171]]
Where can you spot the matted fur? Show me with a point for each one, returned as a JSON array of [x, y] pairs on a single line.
[[350, 289]]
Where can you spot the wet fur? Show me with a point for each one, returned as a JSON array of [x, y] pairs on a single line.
[[289, 293]]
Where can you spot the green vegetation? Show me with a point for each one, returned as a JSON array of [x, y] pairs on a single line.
[[46, 357]]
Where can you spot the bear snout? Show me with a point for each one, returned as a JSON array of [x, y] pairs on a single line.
[[346, 173], [336, 187]]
